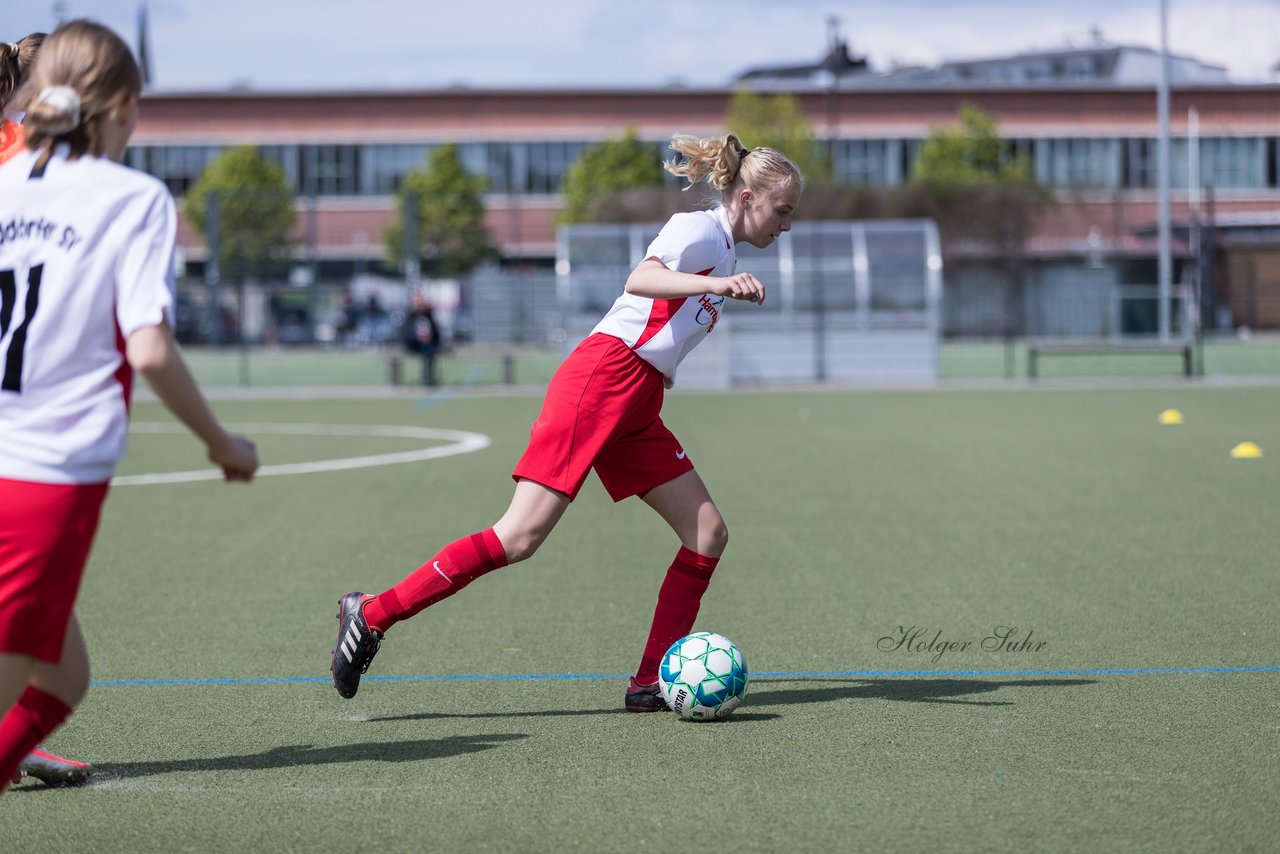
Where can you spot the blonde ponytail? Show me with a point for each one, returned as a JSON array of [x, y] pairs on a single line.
[[83, 72], [725, 164]]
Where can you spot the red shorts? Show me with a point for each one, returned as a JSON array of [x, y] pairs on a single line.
[[601, 412], [46, 530]]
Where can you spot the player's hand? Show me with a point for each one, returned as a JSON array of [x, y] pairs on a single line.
[[237, 457], [741, 286]]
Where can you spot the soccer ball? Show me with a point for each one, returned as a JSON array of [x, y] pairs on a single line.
[[703, 677]]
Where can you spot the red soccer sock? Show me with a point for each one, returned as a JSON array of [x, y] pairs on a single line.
[[31, 720], [457, 565], [678, 601]]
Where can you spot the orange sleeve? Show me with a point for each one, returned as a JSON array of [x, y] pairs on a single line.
[[12, 140]]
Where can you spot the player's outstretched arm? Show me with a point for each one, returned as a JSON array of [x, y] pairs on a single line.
[[651, 278], [153, 353]]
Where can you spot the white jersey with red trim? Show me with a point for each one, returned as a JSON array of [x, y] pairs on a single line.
[[663, 331], [86, 258]]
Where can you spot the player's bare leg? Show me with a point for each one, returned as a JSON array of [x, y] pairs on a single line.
[[68, 680], [686, 505], [15, 673], [45, 694], [532, 515]]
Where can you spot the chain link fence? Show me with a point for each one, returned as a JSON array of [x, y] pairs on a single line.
[[849, 302]]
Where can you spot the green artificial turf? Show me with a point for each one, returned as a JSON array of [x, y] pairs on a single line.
[[1110, 543]]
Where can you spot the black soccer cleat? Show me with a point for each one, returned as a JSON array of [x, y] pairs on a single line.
[[54, 770], [357, 645], [644, 698]]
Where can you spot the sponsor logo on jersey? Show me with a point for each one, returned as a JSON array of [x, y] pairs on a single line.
[[709, 312]]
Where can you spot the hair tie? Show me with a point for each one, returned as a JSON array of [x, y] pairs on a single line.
[[742, 152], [62, 98]]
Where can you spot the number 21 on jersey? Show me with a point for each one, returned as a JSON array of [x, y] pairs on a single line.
[[12, 354]]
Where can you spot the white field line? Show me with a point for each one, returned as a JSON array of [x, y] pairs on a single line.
[[461, 442]]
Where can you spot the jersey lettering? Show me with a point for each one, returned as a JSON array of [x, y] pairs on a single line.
[[12, 380]]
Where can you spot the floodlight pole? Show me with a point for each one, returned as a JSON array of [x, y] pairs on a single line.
[[213, 268], [1164, 249], [1195, 300]]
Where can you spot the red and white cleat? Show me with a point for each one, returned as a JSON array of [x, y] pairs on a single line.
[[54, 770]]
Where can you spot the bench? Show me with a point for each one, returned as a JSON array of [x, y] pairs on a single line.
[[396, 369], [1100, 347]]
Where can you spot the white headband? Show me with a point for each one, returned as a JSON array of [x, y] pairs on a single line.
[[62, 98]]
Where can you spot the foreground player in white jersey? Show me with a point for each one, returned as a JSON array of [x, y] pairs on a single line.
[[602, 411], [86, 250], [15, 60]]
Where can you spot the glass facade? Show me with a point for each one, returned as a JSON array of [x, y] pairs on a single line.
[[538, 168]]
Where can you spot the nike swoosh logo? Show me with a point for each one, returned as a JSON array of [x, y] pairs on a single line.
[[680, 455]]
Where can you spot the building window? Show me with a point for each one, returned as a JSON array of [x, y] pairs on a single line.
[[862, 161], [499, 168], [1238, 163], [1019, 150], [1138, 163], [908, 152], [328, 170], [284, 156], [178, 166], [386, 165], [547, 164], [1078, 162]]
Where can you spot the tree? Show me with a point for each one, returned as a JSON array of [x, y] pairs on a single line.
[[971, 153], [607, 169], [445, 205], [777, 122], [965, 180], [255, 208]]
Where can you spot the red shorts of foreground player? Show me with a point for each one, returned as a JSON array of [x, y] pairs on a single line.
[[602, 412], [46, 531]]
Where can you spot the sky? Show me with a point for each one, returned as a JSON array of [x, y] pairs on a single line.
[[209, 45]]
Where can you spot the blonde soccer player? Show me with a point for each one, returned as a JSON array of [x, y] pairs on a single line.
[[603, 411], [86, 251]]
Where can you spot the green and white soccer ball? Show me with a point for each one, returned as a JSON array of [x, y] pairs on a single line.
[[703, 676]]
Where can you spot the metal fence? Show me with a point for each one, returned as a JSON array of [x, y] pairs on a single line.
[[847, 302], [852, 302]]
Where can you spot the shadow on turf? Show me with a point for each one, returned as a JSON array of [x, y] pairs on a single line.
[[306, 754], [545, 713], [907, 690]]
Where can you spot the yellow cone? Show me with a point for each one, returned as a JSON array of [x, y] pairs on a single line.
[[1171, 416], [1246, 451]]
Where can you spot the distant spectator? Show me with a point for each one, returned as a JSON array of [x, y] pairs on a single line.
[[422, 336], [349, 321]]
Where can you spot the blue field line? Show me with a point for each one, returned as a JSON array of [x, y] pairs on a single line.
[[472, 377], [774, 674]]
